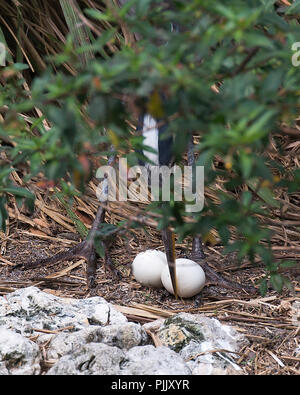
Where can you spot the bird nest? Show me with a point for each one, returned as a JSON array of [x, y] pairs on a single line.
[[270, 323]]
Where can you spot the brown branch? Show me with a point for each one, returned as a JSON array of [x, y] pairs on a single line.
[[247, 59]]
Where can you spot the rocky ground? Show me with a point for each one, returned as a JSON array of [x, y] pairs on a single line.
[[43, 333], [270, 323]]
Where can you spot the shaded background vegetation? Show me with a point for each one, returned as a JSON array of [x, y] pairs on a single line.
[[76, 80]]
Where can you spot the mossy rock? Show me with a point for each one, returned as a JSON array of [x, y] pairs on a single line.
[[177, 332]]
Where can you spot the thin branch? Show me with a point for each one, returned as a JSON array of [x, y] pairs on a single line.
[[247, 59]]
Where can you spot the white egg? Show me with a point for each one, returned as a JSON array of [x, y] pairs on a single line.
[[190, 278], [147, 267]]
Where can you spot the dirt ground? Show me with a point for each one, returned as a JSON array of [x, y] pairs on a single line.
[[271, 323]]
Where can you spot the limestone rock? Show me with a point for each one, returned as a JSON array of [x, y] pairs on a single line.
[[18, 355], [204, 343], [148, 360], [123, 336], [90, 359], [30, 308], [89, 336]]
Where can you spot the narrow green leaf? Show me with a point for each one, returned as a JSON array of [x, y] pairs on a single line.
[[263, 287], [82, 229], [18, 191], [264, 193], [276, 281]]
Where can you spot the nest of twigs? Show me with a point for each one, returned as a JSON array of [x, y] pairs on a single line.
[[270, 323]]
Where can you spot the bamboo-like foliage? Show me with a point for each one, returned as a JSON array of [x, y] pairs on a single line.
[[79, 31], [37, 30]]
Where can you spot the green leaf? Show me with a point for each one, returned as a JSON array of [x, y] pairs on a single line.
[[246, 163], [98, 15], [257, 39], [263, 287], [142, 8], [4, 173], [2, 221], [20, 66], [276, 281], [81, 228], [18, 191], [288, 264], [294, 8], [106, 230], [3, 213], [100, 248], [259, 129], [126, 6], [246, 198], [272, 82], [224, 233], [29, 204], [264, 193]]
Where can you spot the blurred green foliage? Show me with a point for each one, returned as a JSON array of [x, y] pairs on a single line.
[[243, 48]]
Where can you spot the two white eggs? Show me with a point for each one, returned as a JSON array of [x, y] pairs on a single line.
[[150, 268]]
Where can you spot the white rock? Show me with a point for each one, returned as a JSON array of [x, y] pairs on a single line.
[[18, 355], [147, 267], [190, 278], [65, 342], [30, 308], [101, 359], [194, 336], [150, 360], [90, 359], [100, 340], [123, 336], [3, 370]]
